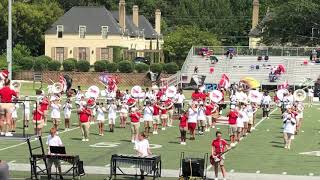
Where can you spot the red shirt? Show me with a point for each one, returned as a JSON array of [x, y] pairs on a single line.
[[183, 121], [209, 109], [44, 104], [163, 111], [84, 115], [195, 96], [203, 96], [6, 94], [135, 117], [168, 103], [156, 110], [233, 115], [37, 115], [220, 145]]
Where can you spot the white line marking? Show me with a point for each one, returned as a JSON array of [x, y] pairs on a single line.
[[13, 146], [108, 165], [284, 173], [10, 162]]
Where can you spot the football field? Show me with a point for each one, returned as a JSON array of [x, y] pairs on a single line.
[[261, 152]]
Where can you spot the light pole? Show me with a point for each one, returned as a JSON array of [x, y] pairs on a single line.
[[9, 41]]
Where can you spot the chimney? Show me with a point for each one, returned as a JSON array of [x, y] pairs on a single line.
[[255, 14], [158, 21], [122, 15], [135, 15]]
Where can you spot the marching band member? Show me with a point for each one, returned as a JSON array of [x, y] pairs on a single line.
[[201, 118], [284, 102], [44, 104], [163, 116], [252, 119], [38, 121], [291, 97], [310, 96], [192, 119], [179, 99], [249, 110], [169, 107], [265, 103], [156, 117], [124, 109], [112, 114], [240, 121], [232, 121], [14, 117], [84, 118], [79, 98], [289, 125], [26, 111], [6, 95], [219, 146], [147, 117], [54, 140], [142, 148], [101, 118], [233, 101], [183, 127], [209, 109], [91, 103], [299, 118], [126, 95], [135, 124], [55, 111], [67, 114]]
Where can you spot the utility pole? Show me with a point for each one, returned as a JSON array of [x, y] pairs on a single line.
[[9, 41]]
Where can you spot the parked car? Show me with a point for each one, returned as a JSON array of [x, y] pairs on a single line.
[[141, 60]]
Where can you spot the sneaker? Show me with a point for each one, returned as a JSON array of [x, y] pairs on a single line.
[[132, 141], [87, 140], [8, 134], [232, 144], [83, 139], [169, 125], [181, 143], [2, 133], [253, 128], [184, 143], [213, 127], [91, 122], [292, 137], [156, 132], [45, 124], [216, 178], [163, 128], [36, 138]]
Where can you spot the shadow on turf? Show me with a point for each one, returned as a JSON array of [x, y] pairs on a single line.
[[76, 139]]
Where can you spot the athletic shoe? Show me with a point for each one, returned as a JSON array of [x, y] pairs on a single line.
[[253, 128], [292, 137], [232, 144], [181, 143], [213, 127], [2, 133], [216, 178], [36, 138], [87, 140], [132, 141], [8, 134], [45, 124], [163, 128], [169, 125], [83, 139], [91, 122]]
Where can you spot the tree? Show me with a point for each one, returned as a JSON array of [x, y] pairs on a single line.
[[178, 43], [292, 23]]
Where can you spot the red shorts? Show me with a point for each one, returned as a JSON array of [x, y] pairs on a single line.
[[192, 126]]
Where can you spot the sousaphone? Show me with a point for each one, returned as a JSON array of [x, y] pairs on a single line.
[[299, 95]]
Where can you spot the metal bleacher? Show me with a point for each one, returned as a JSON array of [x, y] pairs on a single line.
[[240, 65]]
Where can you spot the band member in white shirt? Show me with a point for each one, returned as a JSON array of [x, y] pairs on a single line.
[[265, 103], [179, 101], [310, 96], [148, 117], [192, 119], [112, 114], [54, 140], [67, 114], [299, 108], [55, 112], [142, 148], [289, 125], [101, 118]]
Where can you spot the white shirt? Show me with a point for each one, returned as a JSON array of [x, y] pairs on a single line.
[[110, 95], [201, 113], [266, 100], [180, 98], [142, 147], [67, 108], [55, 112], [100, 113], [112, 109], [124, 109], [241, 118], [53, 141], [149, 95], [289, 123], [291, 99], [148, 112], [27, 106], [310, 92], [193, 116]]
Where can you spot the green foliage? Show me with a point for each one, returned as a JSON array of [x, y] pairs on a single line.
[[83, 66], [26, 63], [69, 64], [141, 67], [125, 67], [41, 63], [19, 52], [112, 67], [178, 42], [156, 68], [3, 62], [54, 66], [117, 54], [100, 66], [171, 68]]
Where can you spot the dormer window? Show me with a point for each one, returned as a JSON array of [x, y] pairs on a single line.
[[60, 31], [104, 31], [82, 31]]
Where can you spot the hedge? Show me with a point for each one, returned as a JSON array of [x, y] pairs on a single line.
[[171, 68], [41, 63], [54, 66], [112, 67], [26, 63], [156, 68], [125, 67], [141, 67], [69, 64], [83, 66], [100, 66]]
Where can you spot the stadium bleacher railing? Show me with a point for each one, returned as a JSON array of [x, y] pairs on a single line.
[[259, 51]]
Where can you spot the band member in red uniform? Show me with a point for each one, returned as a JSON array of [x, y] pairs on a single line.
[[169, 106], [219, 147], [38, 121], [195, 96], [183, 127], [156, 117], [232, 115], [135, 124], [44, 104], [163, 116], [209, 107], [6, 95], [84, 117]]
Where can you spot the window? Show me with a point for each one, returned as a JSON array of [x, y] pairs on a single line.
[[104, 54], [82, 53], [60, 31], [60, 54], [82, 31], [104, 31]]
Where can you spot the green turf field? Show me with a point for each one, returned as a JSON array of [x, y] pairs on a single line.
[[261, 151]]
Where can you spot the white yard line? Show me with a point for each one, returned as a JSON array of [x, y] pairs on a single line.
[[13, 146], [262, 119]]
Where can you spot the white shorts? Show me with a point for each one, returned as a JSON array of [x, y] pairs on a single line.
[[148, 119], [209, 120], [201, 118], [27, 116], [112, 121], [156, 119], [101, 120], [67, 116]]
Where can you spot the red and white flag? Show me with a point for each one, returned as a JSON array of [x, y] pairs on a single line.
[[224, 81], [63, 81]]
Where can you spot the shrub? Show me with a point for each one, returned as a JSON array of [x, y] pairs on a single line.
[[41, 63], [141, 67], [69, 64], [26, 63], [112, 67], [171, 68], [83, 66], [125, 66], [156, 68], [100, 66], [54, 66]]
